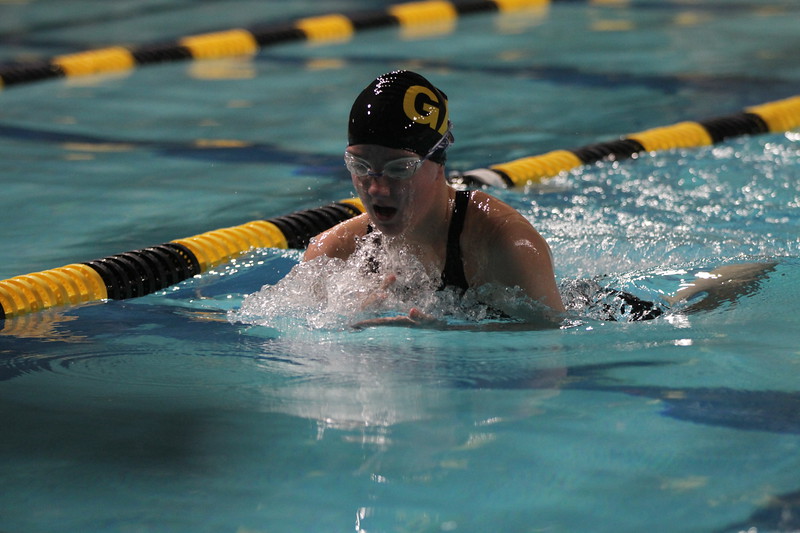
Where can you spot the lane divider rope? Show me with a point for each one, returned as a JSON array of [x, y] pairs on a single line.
[[248, 41], [772, 117], [141, 272]]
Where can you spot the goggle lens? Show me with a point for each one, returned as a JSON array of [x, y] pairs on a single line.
[[400, 169]]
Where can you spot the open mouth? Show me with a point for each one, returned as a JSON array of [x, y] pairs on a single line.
[[383, 212]]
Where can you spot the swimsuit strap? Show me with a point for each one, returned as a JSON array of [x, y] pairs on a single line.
[[453, 272], [372, 264]]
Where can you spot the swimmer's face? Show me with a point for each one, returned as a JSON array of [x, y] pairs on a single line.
[[393, 204]]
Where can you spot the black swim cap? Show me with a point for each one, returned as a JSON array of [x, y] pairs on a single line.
[[402, 110]]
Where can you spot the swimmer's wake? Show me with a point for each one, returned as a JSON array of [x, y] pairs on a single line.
[[382, 285]]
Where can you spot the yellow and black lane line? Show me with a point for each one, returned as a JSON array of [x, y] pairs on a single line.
[[248, 41], [142, 272], [772, 117], [148, 270]]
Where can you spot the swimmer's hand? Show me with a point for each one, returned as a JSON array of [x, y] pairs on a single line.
[[375, 299], [415, 318]]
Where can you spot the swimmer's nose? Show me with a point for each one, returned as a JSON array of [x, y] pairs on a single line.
[[379, 185]]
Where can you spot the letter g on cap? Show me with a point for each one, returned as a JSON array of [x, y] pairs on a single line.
[[423, 107]]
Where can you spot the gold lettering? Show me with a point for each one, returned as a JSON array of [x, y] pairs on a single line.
[[423, 107]]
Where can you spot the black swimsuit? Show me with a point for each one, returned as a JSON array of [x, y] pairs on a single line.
[[453, 272]]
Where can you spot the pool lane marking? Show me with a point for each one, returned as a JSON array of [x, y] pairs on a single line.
[[220, 44], [141, 272], [773, 117], [244, 41]]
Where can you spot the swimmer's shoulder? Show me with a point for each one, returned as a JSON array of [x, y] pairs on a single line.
[[339, 241], [497, 233], [489, 216], [506, 250]]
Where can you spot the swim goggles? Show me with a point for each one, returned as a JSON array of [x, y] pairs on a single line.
[[399, 169]]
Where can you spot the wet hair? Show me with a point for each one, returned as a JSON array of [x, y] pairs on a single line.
[[400, 109]]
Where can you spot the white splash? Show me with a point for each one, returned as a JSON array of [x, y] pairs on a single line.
[[377, 280]]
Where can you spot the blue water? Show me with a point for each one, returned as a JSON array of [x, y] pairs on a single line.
[[160, 414]]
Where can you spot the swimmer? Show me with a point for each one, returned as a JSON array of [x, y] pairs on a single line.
[[398, 134]]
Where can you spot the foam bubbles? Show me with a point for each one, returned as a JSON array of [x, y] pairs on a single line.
[[379, 279]]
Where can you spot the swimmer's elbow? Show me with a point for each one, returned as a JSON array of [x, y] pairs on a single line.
[[313, 250], [311, 254], [555, 303], [328, 244]]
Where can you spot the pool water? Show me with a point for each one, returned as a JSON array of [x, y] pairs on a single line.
[[161, 414]]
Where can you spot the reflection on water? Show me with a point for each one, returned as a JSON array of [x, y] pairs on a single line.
[[290, 403]]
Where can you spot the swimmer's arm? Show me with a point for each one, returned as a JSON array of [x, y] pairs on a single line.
[[338, 242], [418, 319], [723, 283], [518, 256]]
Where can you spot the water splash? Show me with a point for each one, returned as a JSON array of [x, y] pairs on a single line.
[[730, 202], [377, 280]]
